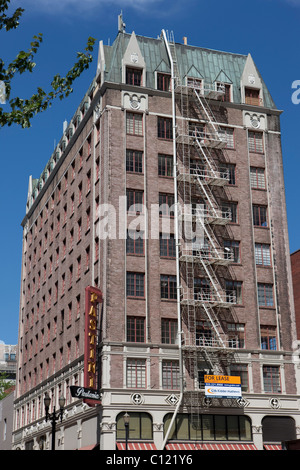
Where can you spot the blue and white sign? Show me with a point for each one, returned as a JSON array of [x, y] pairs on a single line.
[[222, 386]]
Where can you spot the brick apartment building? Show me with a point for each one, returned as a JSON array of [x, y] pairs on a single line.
[[175, 307], [295, 263]]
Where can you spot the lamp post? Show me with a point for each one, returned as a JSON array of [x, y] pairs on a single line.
[[54, 416], [126, 418]]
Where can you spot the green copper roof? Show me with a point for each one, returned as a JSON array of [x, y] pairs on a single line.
[[210, 65]]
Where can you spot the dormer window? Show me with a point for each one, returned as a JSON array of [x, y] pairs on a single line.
[[133, 76], [225, 88], [252, 97], [163, 81], [196, 83]]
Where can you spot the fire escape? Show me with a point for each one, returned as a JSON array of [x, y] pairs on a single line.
[[206, 301]]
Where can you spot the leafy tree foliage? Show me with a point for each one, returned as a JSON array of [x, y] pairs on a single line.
[[5, 385], [21, 111]]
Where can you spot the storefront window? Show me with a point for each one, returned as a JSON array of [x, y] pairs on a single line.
[[209, 428]]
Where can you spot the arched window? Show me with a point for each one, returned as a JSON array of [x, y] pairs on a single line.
[[278, 429], [140, 426]]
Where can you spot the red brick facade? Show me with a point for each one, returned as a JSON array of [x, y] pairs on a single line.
[[62, 254]]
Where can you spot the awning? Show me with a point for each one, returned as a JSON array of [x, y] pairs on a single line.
[[136, 446], [272, 446], [206, 446], [90, 447]]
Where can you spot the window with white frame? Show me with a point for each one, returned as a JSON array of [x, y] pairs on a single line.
[[262, 254], [228, 132], [134, 76], [255, 142], [265, 295], [134, 123], [271, 378], [170, 375], [136, 373], [196, 83], [257, 178]]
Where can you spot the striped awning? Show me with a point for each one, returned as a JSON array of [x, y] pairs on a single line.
[[272, 446], [90, 447], [136, 446], [208, 446]]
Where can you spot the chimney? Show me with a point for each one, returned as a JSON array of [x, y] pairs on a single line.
[[185, 40]]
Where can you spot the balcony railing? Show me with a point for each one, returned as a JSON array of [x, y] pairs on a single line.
[[254, 101]]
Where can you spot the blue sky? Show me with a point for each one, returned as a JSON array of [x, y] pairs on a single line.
[[268, 29]]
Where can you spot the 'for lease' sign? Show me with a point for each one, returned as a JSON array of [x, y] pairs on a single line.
[[222, 386]]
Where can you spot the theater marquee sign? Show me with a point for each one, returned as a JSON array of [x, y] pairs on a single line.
[[93, 298]]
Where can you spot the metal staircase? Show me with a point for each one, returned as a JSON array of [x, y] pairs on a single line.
[[206, 305], [203, 294]]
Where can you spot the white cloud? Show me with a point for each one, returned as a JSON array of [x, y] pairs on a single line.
[[73, 6]]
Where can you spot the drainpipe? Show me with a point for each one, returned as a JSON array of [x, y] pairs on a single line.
[[176, 241]]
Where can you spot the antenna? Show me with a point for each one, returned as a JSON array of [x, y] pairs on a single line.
[[121, 24]]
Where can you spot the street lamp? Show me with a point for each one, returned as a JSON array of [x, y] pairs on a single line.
[[126, 418], [54, 416]]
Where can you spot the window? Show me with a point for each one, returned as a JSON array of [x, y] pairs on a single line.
[[136, 373], [167, 245], [262, 254], [204, 334], [227, 95], [166, 204], [202, 289], [164, 128], [168, 331], [134, 123], [168, 287], [234, 292], [268, 337], [170, 374], [232, 250], [255, 142], [240, 370], [135, 242], [163, 81], [228, 171], [140, 426], [78, 267], [260, 216], [79, 193], [134, 200], [136, 329], [165, 165], [133, 76], [87, 258], [229, 211], [195, 83], [252, 97], [135, 284], [265, 295], [88, 181], [197, 130], [271, 377], [257, 178], [236, 335], [229, 134], [208, 427], [134, 161], [79, 230]]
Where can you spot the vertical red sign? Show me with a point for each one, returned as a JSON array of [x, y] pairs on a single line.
[[93, 297]]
